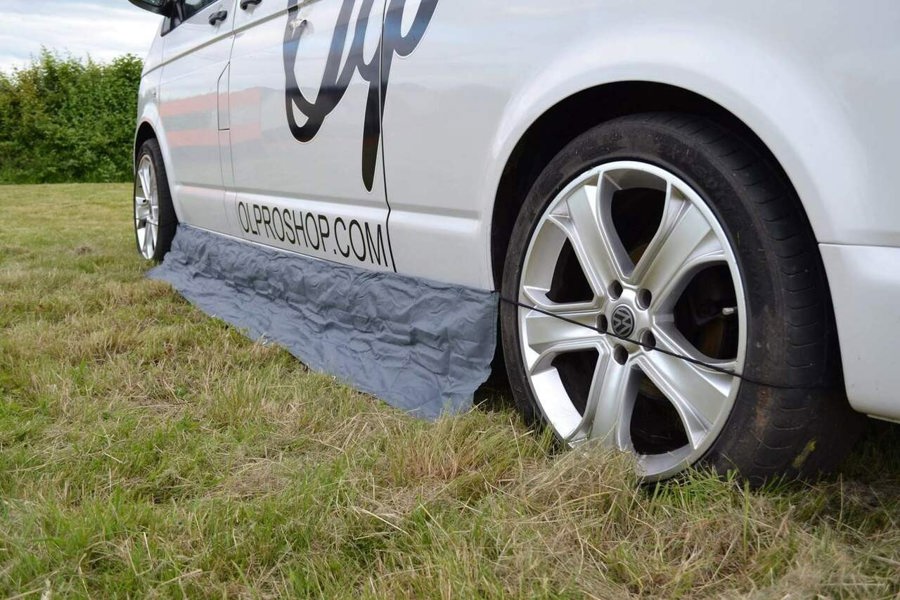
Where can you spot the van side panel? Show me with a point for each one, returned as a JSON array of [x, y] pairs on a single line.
[[805, 81]]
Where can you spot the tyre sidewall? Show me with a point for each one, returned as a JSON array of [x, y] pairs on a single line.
[[168, 222], [722, 189]]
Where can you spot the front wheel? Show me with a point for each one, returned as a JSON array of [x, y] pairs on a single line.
[[154, 213], [688, 257]]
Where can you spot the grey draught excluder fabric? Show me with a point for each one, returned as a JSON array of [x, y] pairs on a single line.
[[421, 346]]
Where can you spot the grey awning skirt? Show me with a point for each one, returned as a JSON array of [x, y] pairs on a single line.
[[421, 346]]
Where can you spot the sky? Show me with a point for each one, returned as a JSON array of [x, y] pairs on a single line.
[[102, 29]]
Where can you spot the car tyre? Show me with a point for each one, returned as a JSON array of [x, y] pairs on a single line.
[[154, 213], [769, 311]]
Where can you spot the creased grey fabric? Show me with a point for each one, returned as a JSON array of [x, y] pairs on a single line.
[[421, 346]]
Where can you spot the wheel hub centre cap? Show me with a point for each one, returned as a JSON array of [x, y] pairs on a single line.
[[622, 322]]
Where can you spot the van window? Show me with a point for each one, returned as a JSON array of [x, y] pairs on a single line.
[[192, 7], [186, 10]]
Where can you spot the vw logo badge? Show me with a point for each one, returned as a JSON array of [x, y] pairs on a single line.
[[623, 321]]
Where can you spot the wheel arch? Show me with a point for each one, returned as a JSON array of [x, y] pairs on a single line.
[[574, 115], [149, 128], [545, 137], [144, 132]]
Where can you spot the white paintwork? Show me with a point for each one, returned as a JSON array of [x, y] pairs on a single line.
[[194, 56], [321, 179], [818, 85], [811, 83], [868, 320]]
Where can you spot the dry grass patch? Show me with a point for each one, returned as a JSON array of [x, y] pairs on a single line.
[[147, 450]]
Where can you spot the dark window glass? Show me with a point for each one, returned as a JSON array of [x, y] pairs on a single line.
[[192, 7], [185, 10]]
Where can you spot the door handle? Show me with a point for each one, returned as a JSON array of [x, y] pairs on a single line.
[[218, 17], [245, 4]]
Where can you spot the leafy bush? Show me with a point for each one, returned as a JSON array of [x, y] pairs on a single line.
[[67, 120]]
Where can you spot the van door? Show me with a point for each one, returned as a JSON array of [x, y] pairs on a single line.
[[197, 45], [305, 129]]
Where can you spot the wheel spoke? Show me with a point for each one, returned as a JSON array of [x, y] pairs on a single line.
[[684, 241], [537, 297], [545, 331], [144, 179], [154, 196], [699, 394], [149, 241], [547, 335], [670, 338], [610, 402], [141, 211], [593, 237]]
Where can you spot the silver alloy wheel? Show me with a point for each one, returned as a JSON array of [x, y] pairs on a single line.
[[635, 293], [146, 208]]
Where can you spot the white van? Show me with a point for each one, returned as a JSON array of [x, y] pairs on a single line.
[[687, 209]]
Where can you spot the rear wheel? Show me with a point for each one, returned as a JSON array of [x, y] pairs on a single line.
[[673, 236], [154, 213]]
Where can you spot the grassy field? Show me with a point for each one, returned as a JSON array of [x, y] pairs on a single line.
[[147, 450]]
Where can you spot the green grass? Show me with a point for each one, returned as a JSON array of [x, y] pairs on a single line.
[[148, 450]]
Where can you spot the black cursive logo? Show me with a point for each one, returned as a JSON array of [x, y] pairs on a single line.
[[336, 78]]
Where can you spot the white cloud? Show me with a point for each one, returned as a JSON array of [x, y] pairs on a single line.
[[102, 29]]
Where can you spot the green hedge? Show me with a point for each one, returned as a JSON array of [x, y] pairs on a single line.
[[67, 120]]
